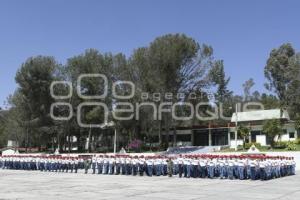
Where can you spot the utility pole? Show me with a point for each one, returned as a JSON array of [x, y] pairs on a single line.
[[89, 140], [112, 124], [115, 141], [236, 126]]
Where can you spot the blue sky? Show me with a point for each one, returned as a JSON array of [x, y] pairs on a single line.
[[242, 33]]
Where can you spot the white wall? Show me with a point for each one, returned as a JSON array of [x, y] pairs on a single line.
[[9, 152], [232, 143], [12, 143], [261, 139], [286, 137]]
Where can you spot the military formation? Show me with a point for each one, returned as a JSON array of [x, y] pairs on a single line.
[[253, 167]]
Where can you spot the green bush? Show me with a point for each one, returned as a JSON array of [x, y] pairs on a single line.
[[280, 145], [297, 141], [240, 147], [291, 146], [264, 148], [248, 145]]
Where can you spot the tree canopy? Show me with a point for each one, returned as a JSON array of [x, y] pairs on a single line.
[[170, 64], [282, 72]]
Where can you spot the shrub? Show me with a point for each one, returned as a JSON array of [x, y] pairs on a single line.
[[240, 147], [248, 145], [135, 144], [291, 146], [280, 145], [297, 141], [264, 148]]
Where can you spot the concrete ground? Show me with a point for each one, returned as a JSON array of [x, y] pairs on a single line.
[[49, 185]]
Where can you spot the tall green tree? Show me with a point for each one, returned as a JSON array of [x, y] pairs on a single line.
[[272, 128], [247, 88], [173, 63], [283, 74], [277, 72], [222, 94], [293, 90], [219, 79], [243, 132], [34, 79], [256, 96], [269, 101], [32, 98], [297, 124], [3, 118], [90, 62]]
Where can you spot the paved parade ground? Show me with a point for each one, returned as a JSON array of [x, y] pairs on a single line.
[[50, 185]]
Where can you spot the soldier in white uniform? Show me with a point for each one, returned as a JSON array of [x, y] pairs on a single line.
[[180, 166], [111, 165], [105, 164], [128, 165], [187, 167], [94, 162], [149, 166], [195, 167], [123, 165], [262, 171], [141, 165], [134, 164], [99, 161], [118, 165]]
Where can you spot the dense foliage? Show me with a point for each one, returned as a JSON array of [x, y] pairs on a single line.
[[173, 63]]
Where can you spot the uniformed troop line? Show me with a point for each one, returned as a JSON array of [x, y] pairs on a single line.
[[254, 167]]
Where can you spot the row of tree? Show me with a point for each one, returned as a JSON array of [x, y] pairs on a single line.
[[172, 63]]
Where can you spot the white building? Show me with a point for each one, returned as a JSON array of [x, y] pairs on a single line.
[[224, 135], [255, 119]]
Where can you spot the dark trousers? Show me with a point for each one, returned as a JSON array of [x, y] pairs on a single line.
[[180, 170], [99, 167], [149, 170], [252, 173], [262, 174], [94, 167]]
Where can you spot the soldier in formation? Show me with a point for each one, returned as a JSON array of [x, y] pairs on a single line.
[[254, 167]]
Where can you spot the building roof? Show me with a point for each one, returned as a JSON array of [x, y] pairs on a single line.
[[259, 115]]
